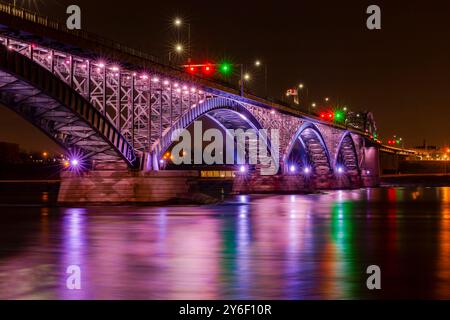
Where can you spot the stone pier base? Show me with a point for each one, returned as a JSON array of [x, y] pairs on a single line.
[[123, 186], [299, 183], [110, 186]]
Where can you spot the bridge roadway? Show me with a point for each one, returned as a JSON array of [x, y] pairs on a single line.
[[116, 108]]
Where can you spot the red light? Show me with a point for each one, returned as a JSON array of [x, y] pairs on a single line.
[[191, 69], [330, 116], [208, 69], [322, 115]]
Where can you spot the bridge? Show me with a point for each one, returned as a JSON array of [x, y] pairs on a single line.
[[116, 108]]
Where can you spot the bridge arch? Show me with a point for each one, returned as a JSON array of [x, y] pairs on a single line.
[[311, 148], [346, 155], [226, 113], [59, 111]]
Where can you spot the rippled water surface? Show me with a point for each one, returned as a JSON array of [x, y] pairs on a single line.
[[250, 247]]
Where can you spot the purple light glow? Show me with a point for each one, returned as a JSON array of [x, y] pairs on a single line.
[[292, 168], [306, 170], [74, 162], [242, 169]]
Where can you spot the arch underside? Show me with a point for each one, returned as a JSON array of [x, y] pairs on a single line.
[[317, 155], [57, 121], [347, 155], [227, 114], [52, 106]]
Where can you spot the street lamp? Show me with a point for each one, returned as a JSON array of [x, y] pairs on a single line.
[[301, 86], [178, 48], [258, 65], [247, 77], [178, 23]]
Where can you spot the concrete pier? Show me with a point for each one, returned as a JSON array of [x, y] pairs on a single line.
[[109, 186], [124, 186]]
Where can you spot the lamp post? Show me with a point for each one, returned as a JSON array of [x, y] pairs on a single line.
[[178, 24], [258, 65], [178, 48], [301, 86]]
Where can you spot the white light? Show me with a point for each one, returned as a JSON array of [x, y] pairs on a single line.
[[292, 168], [200, 91], [101, 65], [74, 162], [243, 117], [368, 171], [306, 170], [161, 161], [257, 63], [193, 89], [166, 82], [242, 169], [175, 85], [272, 112], [177, 22], [155, 79], [340, 169], [178, 48], [178, 90], [184, 87], [115, 68]]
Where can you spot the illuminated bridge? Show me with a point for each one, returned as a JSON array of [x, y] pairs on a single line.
[[116, 108]]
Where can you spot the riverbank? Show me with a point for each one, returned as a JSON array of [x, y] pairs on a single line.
[[429, 179]]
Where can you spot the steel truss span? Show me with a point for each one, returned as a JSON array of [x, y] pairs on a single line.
[[141, 106], [115, 112], [65, 116]]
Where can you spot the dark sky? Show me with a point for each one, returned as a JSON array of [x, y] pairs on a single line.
[[401, 73]]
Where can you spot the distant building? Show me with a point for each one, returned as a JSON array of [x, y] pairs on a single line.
[[9, 152]]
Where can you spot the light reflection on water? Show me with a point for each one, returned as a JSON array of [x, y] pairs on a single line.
[[250, 247]]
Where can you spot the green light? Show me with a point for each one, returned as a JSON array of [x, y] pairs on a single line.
[[225, 68], [338, 115], [375, 135], [398, 141]]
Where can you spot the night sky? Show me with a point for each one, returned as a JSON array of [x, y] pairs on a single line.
[[401, 73]]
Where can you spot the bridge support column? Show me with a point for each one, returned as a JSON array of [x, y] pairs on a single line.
[[370, 168], [115, 187]]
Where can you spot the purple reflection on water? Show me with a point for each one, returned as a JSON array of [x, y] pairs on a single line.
[[73, 253], [254, 247]]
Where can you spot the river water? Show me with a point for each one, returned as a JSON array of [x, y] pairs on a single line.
[[249, 247]]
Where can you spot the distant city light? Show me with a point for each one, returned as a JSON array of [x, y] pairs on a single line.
[[306, 170], [292, 168], [74, 162], [242, 169], [340, 169]]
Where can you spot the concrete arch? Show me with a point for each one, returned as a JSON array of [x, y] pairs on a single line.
[[207, 108], [346, 154], [59, 111], [314, 145]]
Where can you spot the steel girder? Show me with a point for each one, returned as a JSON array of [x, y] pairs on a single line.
[[64, 115]]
